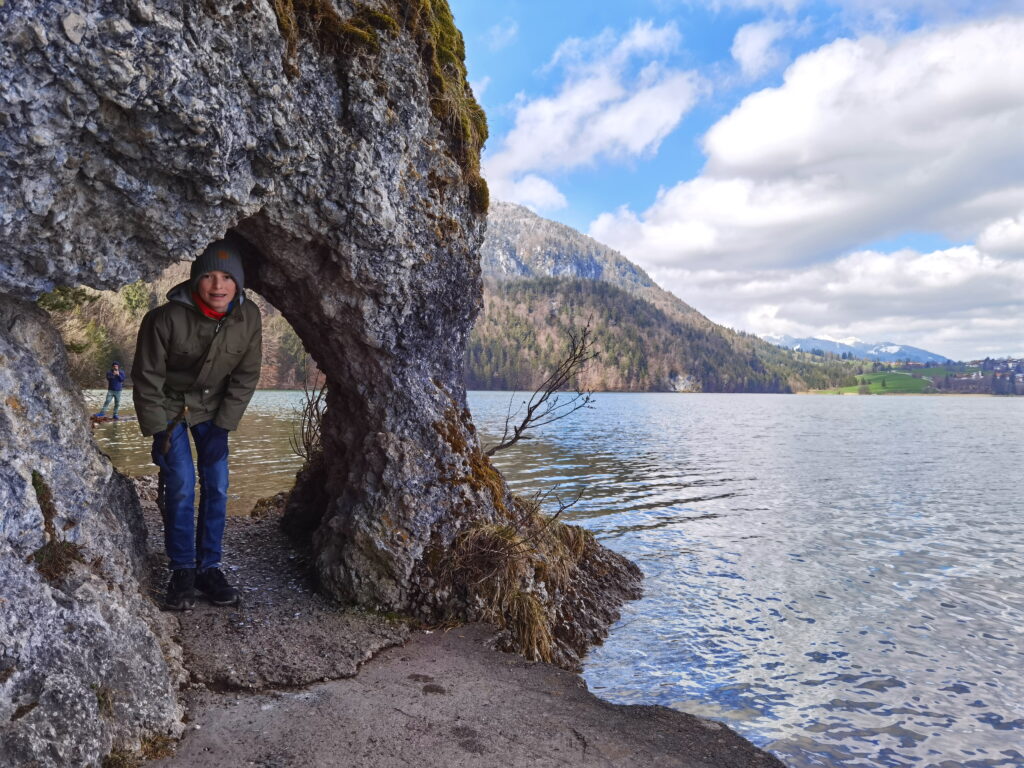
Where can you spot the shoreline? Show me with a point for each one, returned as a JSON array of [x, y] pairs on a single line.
[[447, 699], [660, 392], [288, 678]]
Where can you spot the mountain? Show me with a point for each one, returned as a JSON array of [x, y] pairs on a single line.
[[522, 245], [884, 351], [543, 279]]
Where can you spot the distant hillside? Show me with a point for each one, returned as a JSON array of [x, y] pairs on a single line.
[[542, 277], [883, 351]]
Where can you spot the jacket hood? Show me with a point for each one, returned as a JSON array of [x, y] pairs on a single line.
[[182, 293]]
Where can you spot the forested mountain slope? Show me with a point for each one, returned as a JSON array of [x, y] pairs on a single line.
[[542, 278]]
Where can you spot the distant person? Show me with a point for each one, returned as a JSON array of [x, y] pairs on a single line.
[[115, 383], [197, 362]]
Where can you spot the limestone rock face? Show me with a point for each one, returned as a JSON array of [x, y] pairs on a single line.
[[82, 662], [135, 132]]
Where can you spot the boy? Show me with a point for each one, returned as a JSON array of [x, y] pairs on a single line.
[[197, 362]]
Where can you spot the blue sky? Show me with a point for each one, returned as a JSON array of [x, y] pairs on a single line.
[[851, 168]]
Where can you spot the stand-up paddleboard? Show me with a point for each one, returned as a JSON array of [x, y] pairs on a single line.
[[94, 420]]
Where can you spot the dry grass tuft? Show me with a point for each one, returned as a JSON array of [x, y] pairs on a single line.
[[55, 559], [514, 568], [120, 758], [156, 745]]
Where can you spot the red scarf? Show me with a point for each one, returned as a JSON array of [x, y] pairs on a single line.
[[205, 309]]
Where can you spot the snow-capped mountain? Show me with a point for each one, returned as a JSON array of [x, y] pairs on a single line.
[[885, 351]]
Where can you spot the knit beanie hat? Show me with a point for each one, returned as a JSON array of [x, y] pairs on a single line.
[[221, 255]]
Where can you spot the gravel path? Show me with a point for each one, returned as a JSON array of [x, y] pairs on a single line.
[[283, 634]]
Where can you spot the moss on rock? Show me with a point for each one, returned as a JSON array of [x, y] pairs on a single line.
[[441, 47]]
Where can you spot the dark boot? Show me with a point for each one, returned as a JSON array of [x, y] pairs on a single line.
[[211, 582], [181, 591]]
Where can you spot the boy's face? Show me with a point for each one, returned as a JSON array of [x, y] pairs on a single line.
[[116, 367], [217, 290]]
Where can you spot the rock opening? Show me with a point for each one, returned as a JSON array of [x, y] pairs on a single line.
[[127, 147]]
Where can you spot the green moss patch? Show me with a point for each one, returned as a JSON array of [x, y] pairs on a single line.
[[482, 475], [44, 497], [104, 700], [442, 50], [319, 21], [451, 99]]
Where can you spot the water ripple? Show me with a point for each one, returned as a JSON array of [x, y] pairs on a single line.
[[837, 578]]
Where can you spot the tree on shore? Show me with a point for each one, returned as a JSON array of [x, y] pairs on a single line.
[[546, 405]]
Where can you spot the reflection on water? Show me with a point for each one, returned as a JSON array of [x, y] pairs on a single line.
[[839, 578], [261, 461]]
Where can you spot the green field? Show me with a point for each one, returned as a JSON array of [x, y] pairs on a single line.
[[941, 370], [888, 383]]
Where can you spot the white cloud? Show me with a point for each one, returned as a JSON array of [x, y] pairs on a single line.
[[480, 86], [530, 190], [502, 35], [865, 139], [1005, 236], [961, 302], [582, 57], [877, 11], [788, 6], [618, 101], [753, 47]]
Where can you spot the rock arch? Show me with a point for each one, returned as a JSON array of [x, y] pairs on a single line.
[[389, 335], [133, 134]]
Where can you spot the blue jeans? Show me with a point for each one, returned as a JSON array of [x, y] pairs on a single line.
[[115, 395], [189, 543]]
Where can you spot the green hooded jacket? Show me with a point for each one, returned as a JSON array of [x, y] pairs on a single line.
[[172, 368]]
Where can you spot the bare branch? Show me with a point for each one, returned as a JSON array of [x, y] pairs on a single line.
[[306, 440], [545, 405]]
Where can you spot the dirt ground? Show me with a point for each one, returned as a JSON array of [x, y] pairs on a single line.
[[290, 679]]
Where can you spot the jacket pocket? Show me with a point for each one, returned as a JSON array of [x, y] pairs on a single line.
[[234, 349], [184, 355]]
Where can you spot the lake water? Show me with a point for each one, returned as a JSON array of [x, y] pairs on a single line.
[[837, 578]]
